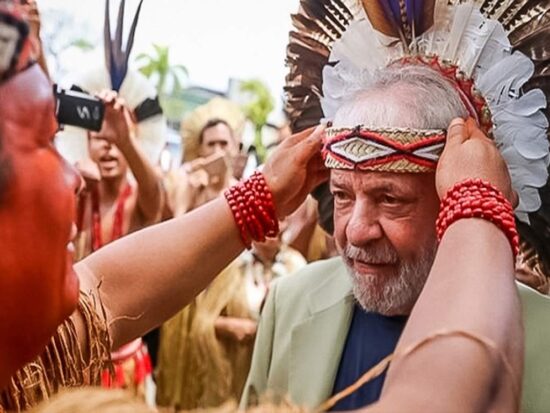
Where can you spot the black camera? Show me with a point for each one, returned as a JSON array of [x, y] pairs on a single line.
[[76, 108]]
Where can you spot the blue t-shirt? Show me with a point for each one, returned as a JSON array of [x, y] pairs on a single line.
[[371, 337]]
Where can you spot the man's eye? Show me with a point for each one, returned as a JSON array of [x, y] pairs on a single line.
[[390, 200], [340, 196]]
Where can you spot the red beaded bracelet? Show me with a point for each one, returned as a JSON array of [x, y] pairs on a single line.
[[475, 198], [252, 205]]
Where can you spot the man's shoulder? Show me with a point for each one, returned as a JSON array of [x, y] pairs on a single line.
[[536, 306], [324, 281], [536, 318], [312, 273]]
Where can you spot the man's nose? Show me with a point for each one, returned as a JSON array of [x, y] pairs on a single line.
[[103, 143], [219, 148], [363, 226]]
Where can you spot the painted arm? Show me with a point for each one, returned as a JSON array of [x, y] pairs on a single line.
[[470, 288], [148, 276]]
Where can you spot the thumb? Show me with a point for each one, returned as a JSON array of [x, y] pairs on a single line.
[[457, 132], [311, 145]]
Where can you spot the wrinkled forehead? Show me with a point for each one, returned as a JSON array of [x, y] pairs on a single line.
[[218, 133], [371, 181]]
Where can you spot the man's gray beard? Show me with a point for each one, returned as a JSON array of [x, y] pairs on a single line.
[[390, 296]]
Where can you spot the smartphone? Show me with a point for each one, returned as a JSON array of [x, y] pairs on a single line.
[[216, 165]]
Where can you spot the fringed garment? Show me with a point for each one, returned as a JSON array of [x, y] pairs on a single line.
[[64, 363], [196, 368]]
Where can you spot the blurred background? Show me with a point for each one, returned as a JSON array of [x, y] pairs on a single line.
[[192, 50]]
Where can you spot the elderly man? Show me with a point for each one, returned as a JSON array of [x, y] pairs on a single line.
[[322, 329]]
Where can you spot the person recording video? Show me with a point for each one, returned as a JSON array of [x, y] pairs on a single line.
[[113, 203]]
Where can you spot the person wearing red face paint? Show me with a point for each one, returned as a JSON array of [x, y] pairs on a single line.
[[200, 244], [37, 201]]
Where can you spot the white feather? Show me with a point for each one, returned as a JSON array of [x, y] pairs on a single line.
[[151, 133], [461, 18]]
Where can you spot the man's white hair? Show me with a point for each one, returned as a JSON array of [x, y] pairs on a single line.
[[405, 96]]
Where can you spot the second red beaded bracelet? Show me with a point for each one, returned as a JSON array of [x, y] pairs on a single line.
[[475, 198]]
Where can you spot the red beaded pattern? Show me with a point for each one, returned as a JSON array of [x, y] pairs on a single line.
[[253, 208], [474, 198]]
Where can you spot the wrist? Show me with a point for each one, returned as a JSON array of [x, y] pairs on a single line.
[[474, 198], [253, 209]]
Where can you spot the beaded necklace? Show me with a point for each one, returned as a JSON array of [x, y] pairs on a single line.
[[118, 222]]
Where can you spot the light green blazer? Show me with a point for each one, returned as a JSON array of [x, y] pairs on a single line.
[[304, 326]]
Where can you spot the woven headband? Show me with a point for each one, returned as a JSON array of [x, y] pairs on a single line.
[[401, 150]]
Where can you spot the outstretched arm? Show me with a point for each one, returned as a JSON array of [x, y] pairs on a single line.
[[470, 289], [148, 276]]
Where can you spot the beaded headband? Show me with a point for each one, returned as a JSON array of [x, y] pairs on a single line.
[[403, 150]]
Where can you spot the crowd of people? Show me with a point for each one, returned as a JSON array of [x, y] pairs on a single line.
[[372, 263]]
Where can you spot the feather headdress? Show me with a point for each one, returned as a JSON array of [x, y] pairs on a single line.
[[495, 51], [131, 85]]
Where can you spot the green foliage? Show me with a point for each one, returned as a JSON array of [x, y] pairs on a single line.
[[173, 107], [261, 103], [158, 65], [82, 44], [257, 110]]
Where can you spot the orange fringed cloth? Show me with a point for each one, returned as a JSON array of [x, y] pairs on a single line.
[[64, 363]]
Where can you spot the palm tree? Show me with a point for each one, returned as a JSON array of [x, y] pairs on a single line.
[[257, 111], [158, 65]]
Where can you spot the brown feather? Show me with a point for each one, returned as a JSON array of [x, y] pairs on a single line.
[[536, 44], [428, 17], [528, 20], [514, 11], [378, 18], [317, 25], [531, 268], [491, 8]]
